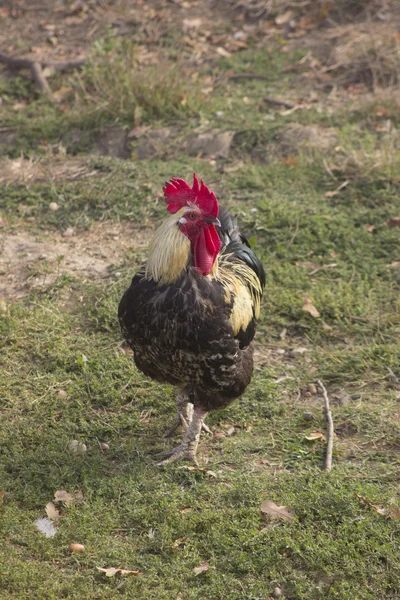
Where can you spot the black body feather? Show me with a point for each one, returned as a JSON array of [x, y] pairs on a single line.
[[181, 333]]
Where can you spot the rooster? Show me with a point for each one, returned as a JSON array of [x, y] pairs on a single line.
[[190, 312]]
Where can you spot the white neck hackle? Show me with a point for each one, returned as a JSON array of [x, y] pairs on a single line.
[[169, 251]]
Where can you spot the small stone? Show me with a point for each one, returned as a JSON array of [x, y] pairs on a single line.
[[231, 431], [312, 389], [307, 394], [77, 548], [104, 446], [62, 394], [296, 351], [307, 416], [53, 206], [342, 398], [277, 593], [30, 219], [69, 232]]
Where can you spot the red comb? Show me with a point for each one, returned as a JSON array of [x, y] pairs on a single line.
[[178, 194]]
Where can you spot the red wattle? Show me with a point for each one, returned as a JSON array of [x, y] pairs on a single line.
[[205, 249]]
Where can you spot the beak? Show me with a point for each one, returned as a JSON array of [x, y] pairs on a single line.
[[212, 221]]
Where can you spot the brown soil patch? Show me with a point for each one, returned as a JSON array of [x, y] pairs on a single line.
[[25, 171], [28, 262]]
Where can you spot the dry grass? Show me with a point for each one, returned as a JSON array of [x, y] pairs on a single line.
[[367, 53], [123, 83]]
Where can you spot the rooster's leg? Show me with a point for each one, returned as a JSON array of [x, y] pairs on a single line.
[[183, 415], [187, 449], [184, 411]]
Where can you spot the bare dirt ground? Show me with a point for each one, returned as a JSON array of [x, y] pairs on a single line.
[[56, 31], [28, 261]]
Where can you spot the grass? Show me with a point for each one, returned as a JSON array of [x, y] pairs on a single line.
[[65, 336]]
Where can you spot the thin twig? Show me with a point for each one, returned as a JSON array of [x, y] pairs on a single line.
[[328, 415], [26, 63], [248, 76], [36, 68], [40, 80], [276, 102]]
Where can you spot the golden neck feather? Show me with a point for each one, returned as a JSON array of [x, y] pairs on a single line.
[[169, 251]]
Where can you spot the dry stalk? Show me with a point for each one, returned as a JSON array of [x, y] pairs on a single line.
[[328, 415]]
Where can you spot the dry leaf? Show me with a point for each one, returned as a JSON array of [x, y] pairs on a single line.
[[179, 542], [393, 222], [111, 571], [315, 435], [335, 192], [281, 513], [67, 498], [52, 512], [46, 526], [393, 513], [2, 492], [299, 350], [202, 568], [222, 52], [284, 18], [309, 307], [191, 24], [191, 468], [390, 512]]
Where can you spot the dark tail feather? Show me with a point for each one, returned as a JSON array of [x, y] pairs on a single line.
[[236, 243]]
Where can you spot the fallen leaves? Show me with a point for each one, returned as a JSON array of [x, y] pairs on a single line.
[[389, 512], [200, 469], [273, 511], [179, 542], [309, 307], [393, 222], [333, 193], [111, 571], [52, 512], [315, 435], [67, 498], [48, 525], [202, 568]]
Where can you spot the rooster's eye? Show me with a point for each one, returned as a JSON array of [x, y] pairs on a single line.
[[192, 216]]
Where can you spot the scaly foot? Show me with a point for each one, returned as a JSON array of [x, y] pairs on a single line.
[[187, 449], [183, 416], [180, 452]]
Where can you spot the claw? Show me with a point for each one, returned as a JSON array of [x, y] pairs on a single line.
[[206, 428], [188, 447], [180, 452], [173, 428]]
